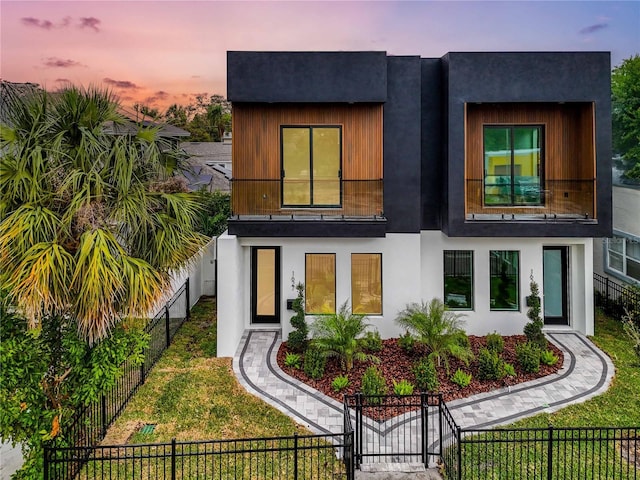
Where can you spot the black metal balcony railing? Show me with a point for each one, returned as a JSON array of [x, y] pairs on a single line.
[[572, 200], [348, 198]]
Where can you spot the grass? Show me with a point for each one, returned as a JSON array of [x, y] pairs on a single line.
[[619, 406], [192, 395]]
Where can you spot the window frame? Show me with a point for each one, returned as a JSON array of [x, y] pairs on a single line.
[[541, 166], [622, 274], [306, 282], [471, 307], [379, 255], [517, 278], [310, 128]]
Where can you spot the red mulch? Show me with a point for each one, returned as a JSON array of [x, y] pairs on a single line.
[[396, 364]]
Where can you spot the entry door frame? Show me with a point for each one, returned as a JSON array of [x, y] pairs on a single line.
[[564, 259], [255, 318]]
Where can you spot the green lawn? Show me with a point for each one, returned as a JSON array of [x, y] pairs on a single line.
[[192, 395]]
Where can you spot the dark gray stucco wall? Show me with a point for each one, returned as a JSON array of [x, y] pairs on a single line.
[[431, 125], [402, 145], [306, 76], [525, 77]]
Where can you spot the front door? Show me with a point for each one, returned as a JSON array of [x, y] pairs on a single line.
[[265, 285], [555, 285]]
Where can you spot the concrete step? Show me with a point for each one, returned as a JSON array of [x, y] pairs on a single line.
[[396, 471]]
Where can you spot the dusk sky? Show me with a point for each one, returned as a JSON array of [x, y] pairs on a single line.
[[163, 52]]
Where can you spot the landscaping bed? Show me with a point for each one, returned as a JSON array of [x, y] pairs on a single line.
[[396, 364]]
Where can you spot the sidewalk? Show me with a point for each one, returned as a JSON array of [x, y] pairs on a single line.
[[586, 372]]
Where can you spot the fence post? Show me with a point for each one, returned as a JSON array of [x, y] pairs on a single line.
[[424, 419], [166, 325], [188, 313], [173, 459], [46, 463], [440, 425], [359, 429], [103, 413], [459, 449], [295, 456], [550, 452]]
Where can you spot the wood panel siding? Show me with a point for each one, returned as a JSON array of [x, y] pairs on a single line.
[[568, 155], [256, 137]]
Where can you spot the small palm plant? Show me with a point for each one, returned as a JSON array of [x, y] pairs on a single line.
[[438, 329], [338, 335]]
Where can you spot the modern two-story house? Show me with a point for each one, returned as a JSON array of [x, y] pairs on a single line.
[[382, 180]]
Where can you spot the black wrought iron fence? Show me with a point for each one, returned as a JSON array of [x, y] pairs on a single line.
[[89, 425], [613, 297], [286, 458]]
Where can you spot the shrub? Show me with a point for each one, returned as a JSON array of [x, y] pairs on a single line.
[[292, 360], [426, 375], [373, 384], [464, 342], [297, 339], [490, 365], [339, 334], [403, 387], [437, 328], [407, 342], [528, 355], [461, 378], [495, 342], [340, 382], [533, 329], [548, 358], [314, 362], [509, 370], [631, 317], [371, 342]]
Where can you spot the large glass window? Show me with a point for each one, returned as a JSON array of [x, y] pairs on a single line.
[[504, 275], [623, 255], [513, 165], [311, 163], [366, 283], [458, 279], [320, 283]]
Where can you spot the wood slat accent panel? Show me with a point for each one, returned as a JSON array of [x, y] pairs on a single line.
[[569, 153], [256, 137]]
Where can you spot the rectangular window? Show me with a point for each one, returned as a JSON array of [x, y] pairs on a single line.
[[311, 166], [513, 165], [623, 255], [320, 283], [504, 273], [458, 279], [366, 283]]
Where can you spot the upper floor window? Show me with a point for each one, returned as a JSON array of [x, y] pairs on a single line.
[[513, 165], [623, 255], [311, 165]]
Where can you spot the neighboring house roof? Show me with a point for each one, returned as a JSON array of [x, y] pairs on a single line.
[[131, 127], [210, 165]]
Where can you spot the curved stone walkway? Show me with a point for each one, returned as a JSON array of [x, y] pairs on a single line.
[[586, 372]]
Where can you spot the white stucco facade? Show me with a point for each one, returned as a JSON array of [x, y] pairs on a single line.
[[412, 270]]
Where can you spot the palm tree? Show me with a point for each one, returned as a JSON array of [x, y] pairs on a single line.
[[437, 328], [91, 224], [337, 335]]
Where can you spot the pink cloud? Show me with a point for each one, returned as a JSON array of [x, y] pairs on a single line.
[[54, 62], [124, 84], [90, 22]]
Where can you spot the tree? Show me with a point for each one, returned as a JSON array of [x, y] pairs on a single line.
[[92, 228], [625, 99], [437, 328], [176, 115]]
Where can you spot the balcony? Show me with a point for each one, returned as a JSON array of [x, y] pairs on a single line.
[[356, 209], [559, 201]]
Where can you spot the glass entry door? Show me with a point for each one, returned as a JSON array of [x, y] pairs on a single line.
[[265, 285], [555, 275]]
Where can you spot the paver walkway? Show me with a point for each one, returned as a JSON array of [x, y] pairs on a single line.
[[586, 372]]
